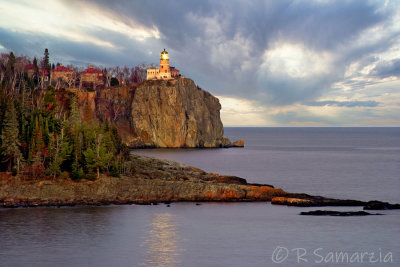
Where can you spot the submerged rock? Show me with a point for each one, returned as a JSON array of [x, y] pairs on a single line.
[[304, 200], [337, 213], [378, 205]]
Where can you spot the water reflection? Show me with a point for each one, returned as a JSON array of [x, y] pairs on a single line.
[[162, 241]]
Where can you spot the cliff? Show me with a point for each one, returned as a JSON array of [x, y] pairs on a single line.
[[165, 114]]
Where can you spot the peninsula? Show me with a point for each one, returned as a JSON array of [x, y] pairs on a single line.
[[66, 137]]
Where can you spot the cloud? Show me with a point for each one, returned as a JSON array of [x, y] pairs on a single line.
[[74, 23], [387, 69], [78, 53], [370, 103], [272, 54], [242, 112]]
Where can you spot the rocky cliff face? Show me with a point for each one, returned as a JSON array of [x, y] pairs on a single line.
[[176, 114], [165, 114]]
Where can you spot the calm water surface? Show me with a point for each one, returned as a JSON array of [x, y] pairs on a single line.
[[361, 163]]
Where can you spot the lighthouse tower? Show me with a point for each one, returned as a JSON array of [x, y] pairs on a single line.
[[165, 71]]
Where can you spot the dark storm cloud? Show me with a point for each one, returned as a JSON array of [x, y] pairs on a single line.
[[320, 25], [222, 44], [325, 26], [387, 69]]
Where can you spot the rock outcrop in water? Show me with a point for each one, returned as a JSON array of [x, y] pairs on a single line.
[[167, 114], [152, 181], [337, 213]]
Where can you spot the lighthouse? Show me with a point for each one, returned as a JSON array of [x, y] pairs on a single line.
[[165, 72]]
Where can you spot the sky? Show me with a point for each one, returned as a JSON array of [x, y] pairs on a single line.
[[270, 63]]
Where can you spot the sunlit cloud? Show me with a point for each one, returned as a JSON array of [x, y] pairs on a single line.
[[296, 61], [242, 112], [272, 63], [75, 22]]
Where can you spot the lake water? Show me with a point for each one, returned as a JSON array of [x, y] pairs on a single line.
[[357, 163]]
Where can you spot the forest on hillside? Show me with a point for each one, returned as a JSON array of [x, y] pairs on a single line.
[[41, 132], [15, 68]]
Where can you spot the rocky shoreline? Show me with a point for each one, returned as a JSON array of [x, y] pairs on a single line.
[[156, 181]]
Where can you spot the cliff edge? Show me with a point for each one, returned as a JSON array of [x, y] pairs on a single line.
[[166, 114], [176, 113]]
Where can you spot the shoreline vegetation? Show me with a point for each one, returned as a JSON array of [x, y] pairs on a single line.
[[55, 151]]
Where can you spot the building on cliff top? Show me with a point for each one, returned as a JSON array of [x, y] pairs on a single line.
[[62, 75], [92, 77], [165, 72]]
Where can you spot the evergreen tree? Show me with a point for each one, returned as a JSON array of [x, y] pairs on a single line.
[[35, 64], [74, 116], [60, 150], [10, 147], [46, 60], [10, 65], [96, 155]]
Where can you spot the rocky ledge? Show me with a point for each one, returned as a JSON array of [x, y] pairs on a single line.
[[150, 181]]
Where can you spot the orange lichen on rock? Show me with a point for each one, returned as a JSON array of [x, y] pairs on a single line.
[[227, 194], [262, 192], [238, 143], [291, 201], [209, 195]]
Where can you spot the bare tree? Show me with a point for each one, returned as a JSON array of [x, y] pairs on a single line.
[[125, 74], [108, 72], [58, 83], [71, 79], [136, 75], [117, 108], [117, 72]]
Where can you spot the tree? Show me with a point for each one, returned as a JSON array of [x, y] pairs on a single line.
[[135, 76], [75, 115], [46, 60], [60, 150], [125, 75], [108, 75], [10, 72], [10, 147], [3, 66], [35, 66], [19, 69], [97, 155]]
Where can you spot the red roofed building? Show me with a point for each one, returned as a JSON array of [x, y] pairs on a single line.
[[61, 73], [44, 72], [92, 76], [30, 70]]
